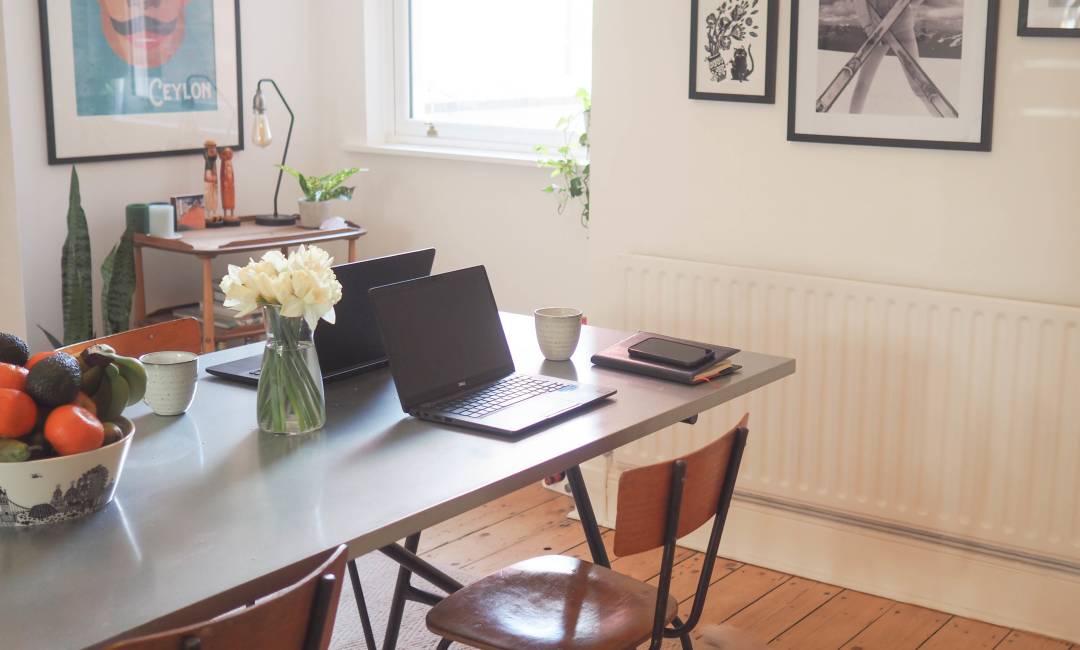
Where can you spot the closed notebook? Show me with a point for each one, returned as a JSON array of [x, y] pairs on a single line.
[[618, 357]]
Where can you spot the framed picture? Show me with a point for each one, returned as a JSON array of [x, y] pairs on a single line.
[[189, 211], [1049, 18], [733, 50], [893, 73], [139, 79]]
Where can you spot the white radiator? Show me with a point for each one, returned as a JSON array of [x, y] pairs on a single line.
[[951, 417]]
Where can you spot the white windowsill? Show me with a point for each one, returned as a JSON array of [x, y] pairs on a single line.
[[444, 152]]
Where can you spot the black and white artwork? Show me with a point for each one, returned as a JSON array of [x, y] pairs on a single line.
[[909, 73], [733, 50], [89, 493], [1049, 18]]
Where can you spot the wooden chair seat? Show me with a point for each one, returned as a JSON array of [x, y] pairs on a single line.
[[550, 602]]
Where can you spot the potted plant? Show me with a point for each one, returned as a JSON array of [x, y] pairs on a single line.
[[319, 191]]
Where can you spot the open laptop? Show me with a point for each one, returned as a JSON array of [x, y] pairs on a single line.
[[450, 361], [352, 344]]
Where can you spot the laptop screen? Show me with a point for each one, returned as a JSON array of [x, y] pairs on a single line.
[[354, 338], [442, 335]]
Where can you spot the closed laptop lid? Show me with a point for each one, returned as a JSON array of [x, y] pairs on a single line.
[[442, 335], [353, 339]]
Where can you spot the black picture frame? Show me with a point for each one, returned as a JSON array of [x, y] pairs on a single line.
[[771, 37], [989, 77], [50, 113], [1022, 28]]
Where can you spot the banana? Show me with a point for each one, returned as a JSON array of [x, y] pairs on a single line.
[[91, 380], [134, 373], [120, 390], [103, 395]]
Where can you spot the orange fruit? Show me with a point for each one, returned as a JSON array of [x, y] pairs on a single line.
[[83, 400], [12, 376], [38, 357], [73, 430], [18, 413]]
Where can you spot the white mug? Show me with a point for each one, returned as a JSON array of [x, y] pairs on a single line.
[[161, 221], [557, 331], [171, 378]]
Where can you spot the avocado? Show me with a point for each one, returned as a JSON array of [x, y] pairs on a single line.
[[54, 380], [13, 349]]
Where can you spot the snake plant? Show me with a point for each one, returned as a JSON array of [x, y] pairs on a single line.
[[77, 288], [118, 284]]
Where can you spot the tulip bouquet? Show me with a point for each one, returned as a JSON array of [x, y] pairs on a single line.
[[294, 292]]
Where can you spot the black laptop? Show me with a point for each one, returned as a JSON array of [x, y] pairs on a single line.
[[450, 361], [352, 344]]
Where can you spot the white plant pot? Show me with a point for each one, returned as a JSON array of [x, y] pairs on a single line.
[[314, 213], [46, 491]]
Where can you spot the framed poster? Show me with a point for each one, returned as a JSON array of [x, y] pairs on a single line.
[[1049, 18], [896, 73], [733, 50], [138, 79]]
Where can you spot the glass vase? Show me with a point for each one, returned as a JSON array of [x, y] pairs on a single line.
[[291, 400]]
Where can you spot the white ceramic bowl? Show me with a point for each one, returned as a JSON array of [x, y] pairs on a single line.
[[67, 487]]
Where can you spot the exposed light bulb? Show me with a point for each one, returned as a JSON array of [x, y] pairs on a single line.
[[260, 134]]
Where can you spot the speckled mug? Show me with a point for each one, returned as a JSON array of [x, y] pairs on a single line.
[[557, 331], [171, 378]]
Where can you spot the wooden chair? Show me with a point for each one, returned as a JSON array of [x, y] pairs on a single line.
[[284, 616], [183, 334], [558, 602]]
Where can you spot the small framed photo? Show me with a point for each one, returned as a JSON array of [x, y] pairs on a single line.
[[190, 211], [893, 73], [733, 50], [1049, 18], [139, 79]]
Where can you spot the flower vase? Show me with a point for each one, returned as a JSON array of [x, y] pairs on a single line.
[[291, 400]]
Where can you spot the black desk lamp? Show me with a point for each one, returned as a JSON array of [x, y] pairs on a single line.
[[261, 137]]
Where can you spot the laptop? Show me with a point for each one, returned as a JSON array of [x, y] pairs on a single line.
[[450, 361], [352, 344]]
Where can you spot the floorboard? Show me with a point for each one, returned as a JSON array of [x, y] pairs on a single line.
[[1026, 641], [486, 515], [737, 591], [767, 617], [965, 634], [834, 623], [903, 627]]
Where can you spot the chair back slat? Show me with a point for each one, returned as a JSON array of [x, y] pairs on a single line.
[[183, 335], [299, 615], [644, 493]]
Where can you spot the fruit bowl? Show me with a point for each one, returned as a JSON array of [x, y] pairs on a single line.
[[66, 487]]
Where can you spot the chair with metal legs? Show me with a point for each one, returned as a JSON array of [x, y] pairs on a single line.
[[557, 602]]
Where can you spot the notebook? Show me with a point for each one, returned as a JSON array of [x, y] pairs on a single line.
[[618, 357]]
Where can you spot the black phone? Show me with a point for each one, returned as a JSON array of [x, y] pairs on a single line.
[[671, 352]]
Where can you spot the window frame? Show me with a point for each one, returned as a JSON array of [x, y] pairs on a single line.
[[404, 129]]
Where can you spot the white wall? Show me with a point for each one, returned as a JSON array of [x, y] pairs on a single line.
[[12, 310], [275, 43], [717, 181]]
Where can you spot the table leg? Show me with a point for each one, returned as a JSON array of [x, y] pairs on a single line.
[[411, 563], [139, 308], [361, 604], [588, 518], [352, 250], [208, 304]]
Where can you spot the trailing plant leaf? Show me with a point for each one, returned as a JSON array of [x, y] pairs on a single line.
[[77, 284], [53, 341], [118, 285], [572, 177]]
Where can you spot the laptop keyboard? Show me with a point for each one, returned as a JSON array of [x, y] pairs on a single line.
[[503, 393]]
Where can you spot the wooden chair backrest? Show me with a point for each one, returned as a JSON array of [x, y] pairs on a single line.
[[290, 617], [645, 492], [184, 334]]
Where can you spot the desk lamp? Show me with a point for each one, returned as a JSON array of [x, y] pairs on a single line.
[[261, 137]]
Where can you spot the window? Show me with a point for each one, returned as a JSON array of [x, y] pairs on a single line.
[[489, 73]]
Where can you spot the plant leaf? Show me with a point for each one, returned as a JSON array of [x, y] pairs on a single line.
[[118, 285], [53, 341], [77, 283]]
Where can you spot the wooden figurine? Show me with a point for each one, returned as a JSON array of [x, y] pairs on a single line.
[[228, 188], [210, 186]]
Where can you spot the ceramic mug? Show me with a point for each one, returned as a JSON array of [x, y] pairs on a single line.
[[171, 378], [161, 220], [557, 331]]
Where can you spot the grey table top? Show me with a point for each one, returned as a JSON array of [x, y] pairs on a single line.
[[206, 502]]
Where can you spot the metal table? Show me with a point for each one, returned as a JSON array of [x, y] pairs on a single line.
[[207, 504]]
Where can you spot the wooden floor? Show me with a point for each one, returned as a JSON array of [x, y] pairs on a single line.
[[782, 610]]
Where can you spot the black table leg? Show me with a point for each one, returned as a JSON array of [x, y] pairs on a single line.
[[361, 604], [588, 518], [409, 563]]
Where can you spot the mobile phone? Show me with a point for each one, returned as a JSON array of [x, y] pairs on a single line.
[[671, 352]]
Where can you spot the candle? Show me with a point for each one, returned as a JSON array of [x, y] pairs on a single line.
[[162, 221]]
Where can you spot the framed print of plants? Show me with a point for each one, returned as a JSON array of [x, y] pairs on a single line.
[[896, 73], [139, 79], [733, 50]]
